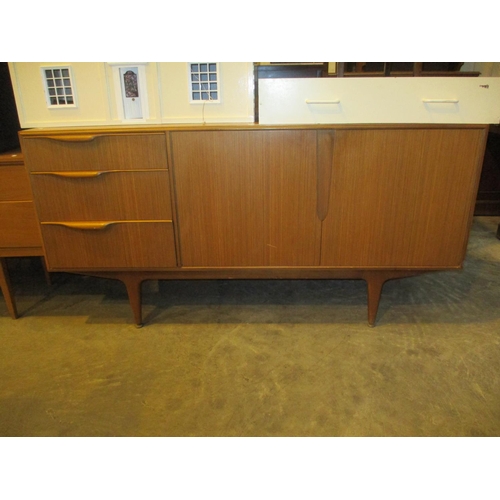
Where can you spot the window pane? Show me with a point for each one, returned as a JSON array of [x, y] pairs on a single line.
[[206, 73], [58, 84]]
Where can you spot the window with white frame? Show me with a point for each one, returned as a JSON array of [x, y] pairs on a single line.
[[204, 82], [59, 88]]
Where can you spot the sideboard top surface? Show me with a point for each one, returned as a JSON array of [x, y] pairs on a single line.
[[159, 129]]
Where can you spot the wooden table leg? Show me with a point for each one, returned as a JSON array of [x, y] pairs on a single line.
[[375, 282], [7, 288], [134, 291]]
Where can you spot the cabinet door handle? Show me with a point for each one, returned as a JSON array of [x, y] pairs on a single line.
[[312, 101], [81, 174], [73, 138], [86, 226], [325, 140], [440, 101]]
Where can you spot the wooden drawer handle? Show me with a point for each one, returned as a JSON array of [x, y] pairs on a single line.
[[73, 138], [86, 226], [82, 174]]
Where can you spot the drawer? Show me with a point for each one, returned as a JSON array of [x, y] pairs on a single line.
[[18, 225], [102, 195], [109, 245], [14, 184], [379, 100], [91, 152]]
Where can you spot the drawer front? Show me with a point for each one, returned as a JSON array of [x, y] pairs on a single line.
[[379, 100], [110, 245], [80, 152], [14, 184], [103, 195], [18, 225]]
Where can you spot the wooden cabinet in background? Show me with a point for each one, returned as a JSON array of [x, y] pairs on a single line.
[[19, 229]]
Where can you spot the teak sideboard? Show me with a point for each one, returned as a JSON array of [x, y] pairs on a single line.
[[371, 202]]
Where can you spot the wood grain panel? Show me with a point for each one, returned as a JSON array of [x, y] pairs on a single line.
[[18, 225], [104, 152], [125, 195], [246, 198], [119, 245], [401, 197], [293, 228], [14, 183], [221, 197], [22, 251]]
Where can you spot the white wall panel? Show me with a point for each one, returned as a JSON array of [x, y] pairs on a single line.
[[91, 88], [236, 95], [99, 101]]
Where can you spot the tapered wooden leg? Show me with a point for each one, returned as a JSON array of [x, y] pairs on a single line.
[[375, 282], [7, 289], [134, 291]]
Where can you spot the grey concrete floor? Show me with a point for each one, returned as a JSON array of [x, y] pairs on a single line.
[[256, 358]]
